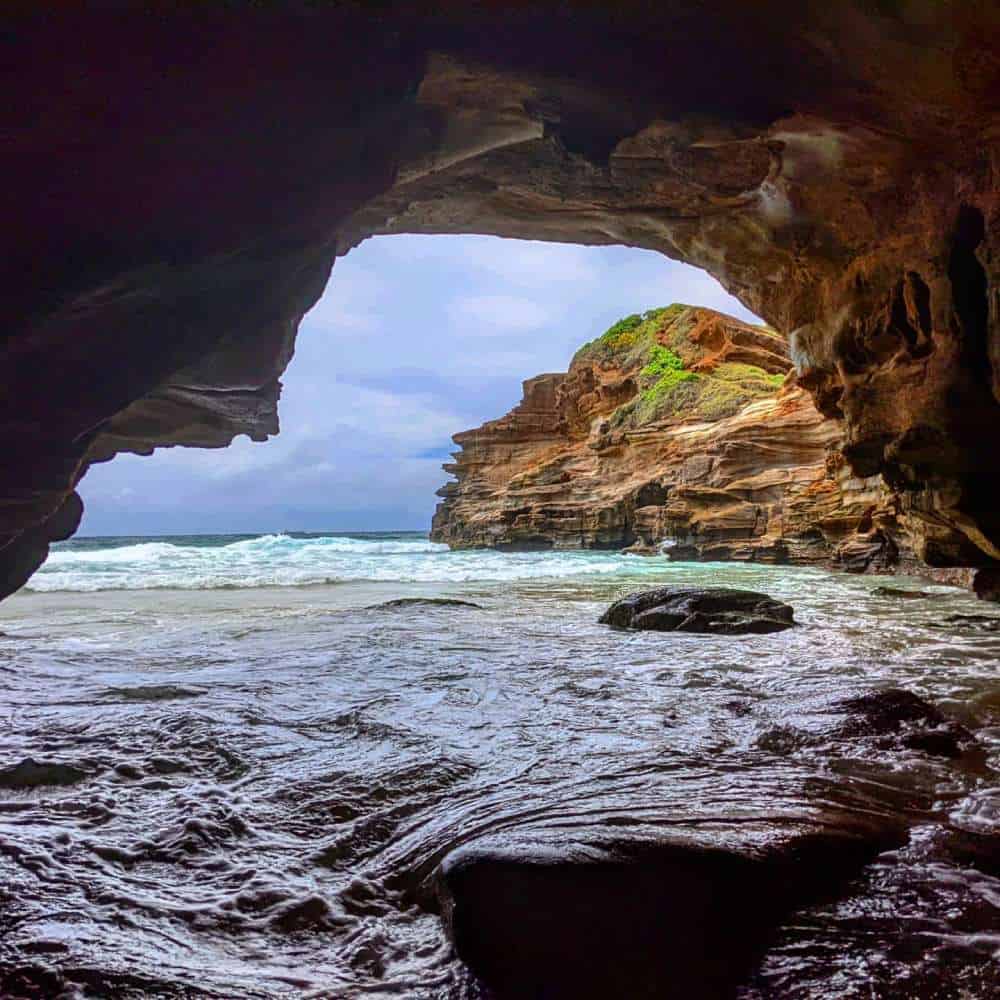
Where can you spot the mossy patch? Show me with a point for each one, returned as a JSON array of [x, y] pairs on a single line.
[[629, 341], [682, 394], [657, 343], [662, 362]]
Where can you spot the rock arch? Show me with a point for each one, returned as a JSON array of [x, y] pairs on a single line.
[[181, 183]]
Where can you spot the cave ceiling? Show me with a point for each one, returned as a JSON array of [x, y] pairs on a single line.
[[181, 183]]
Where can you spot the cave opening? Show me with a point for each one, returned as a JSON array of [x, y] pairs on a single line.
[[415, 338]]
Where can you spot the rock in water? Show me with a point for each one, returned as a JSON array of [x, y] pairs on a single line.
[[684, 903], [426, 602], [717, 610], [899, 592], [31, 773], [684, 917], [889, 720]]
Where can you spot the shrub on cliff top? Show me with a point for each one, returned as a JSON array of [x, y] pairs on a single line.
[[662, 361], [667, 389], [630, 339]]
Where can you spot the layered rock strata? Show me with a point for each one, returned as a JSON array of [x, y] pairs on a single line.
[[722, 456], [181, 181]]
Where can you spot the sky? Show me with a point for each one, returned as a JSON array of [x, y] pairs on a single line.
[[415, 339]]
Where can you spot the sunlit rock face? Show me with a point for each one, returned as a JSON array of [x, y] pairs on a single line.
[[684, 429], [180, 186]]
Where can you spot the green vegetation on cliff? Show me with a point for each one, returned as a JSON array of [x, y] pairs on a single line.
[[657, 343], [629, 341]]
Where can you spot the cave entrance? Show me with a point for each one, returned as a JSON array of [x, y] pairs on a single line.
[[415, 338]]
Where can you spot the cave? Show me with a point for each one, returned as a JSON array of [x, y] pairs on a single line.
[[185, 183], [181, 185]]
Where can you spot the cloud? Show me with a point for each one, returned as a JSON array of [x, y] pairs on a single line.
[[532, 264], [525, 263], [350, 302], [497, 315]]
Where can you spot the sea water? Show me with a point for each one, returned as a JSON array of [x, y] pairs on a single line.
[[247, 767]]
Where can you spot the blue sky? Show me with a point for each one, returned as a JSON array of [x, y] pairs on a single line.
[[416, 338]]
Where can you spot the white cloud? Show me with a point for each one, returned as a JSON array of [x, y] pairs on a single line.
[[532, 264], [497, 315], [350, 302]]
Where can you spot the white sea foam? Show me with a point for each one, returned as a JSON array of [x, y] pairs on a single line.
[[285, 561]]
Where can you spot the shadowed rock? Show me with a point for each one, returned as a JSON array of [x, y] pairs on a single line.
[[886, 720], [32, 774], [686, 917], [426, 602], [686, 903], [718, 610]]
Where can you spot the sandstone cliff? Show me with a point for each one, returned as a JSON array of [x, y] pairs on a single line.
[[681, 426]]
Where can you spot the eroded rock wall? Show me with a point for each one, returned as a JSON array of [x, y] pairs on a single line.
[[723, 458], [181, 180]]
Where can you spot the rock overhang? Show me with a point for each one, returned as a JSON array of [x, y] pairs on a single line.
[[183, 184]]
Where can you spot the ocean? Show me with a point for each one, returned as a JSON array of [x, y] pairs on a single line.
[[230, 766]]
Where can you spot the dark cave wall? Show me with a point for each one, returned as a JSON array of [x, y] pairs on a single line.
[[180, 183]]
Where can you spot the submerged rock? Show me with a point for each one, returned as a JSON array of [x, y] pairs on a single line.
[[32, 774], [900, 592], [972, 623], [718, 610], [889, 719], [418, 602]]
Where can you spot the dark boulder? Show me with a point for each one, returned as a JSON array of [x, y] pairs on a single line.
[[34, 773], [900, 720], [713, 610], [687, 916]]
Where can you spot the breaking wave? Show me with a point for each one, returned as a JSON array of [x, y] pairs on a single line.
[[292, 560]]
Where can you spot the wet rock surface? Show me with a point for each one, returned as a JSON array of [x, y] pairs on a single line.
[[595, 913], [285, 827], [714, 610], [427, 602], [972, 623], [598, 919], [890, 719]]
